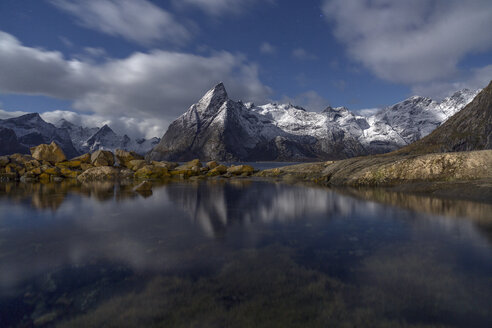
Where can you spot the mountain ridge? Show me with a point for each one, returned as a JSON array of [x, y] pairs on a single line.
[[218, 128]]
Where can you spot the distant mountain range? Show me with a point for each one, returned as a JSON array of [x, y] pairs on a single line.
[[219, 128], [18, 134]]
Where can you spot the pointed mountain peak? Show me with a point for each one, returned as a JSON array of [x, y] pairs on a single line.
[[105, 129], [31, 116], [215, 97]]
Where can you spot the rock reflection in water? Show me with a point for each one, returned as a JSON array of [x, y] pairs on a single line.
[[239, 253]]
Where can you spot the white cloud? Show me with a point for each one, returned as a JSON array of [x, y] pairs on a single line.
[[6, 114], [159, 85], [367, 111], [136, 20], [309, 100], [302, 54], [476, 79], [218, 7], [133, 126], [267, 48], [411, 42]]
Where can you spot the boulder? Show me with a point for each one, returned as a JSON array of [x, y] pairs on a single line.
[[152, 172], [86, 166], [212, 164], [86, 158], [101, 173], [67, 173], [124, 156], [126, 174], [51, 153], [50, 170], [241, 170], [102, 158], [167, 165], [21, 158], [218, 170], [136, 164], [189, 165], [4, 160], [72, 164], [29, 165], [36, 171], [29, 177]]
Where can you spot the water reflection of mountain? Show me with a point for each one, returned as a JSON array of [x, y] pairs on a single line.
[[218, 205]]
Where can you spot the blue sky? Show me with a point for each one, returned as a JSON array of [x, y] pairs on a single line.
[[138, 64]]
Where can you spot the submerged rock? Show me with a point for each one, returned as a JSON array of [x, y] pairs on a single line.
[[145, 186], [51, 153]]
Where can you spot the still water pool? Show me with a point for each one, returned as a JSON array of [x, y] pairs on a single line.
[[240, 254]]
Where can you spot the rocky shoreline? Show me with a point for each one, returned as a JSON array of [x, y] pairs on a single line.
[[465, 175], [47, 163]]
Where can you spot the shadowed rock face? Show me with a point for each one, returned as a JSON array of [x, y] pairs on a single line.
[[469, 129], [9, 144], [218, 128]]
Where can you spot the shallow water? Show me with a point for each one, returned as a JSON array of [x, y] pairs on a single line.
[[240, 254]]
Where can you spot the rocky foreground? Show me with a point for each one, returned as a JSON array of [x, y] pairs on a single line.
[[465, 173], [48, 163]]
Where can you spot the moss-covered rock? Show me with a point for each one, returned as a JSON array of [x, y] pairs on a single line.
[[189, 165], [85, 158], [100, 173], [136, 164], [102, 158], [51, 170], [152, 172], [68, 173], [124, 157], [4, 160], [167, 165], [69, 164], [51, 153], [86, 166], [241, 170], [212, 164], [36, 171], [29, 165], [218, 170]]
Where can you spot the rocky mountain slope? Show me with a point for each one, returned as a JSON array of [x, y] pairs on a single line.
[[18, 134], [469, 129], [9, 144], [31, 130], [91, 139], [222, 129]]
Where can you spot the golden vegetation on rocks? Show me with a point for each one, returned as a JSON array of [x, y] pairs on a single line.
[[50, 164]]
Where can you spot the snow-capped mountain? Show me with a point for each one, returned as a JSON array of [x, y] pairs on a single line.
[[219, 128], [91, 139], [31, 130], [20, 133]]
